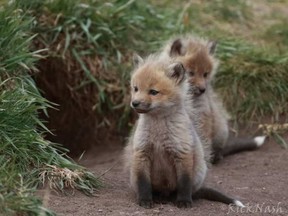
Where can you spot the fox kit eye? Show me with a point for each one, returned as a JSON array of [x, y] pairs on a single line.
[[191, 73], [135, 88], [205, 74], [153, 92]]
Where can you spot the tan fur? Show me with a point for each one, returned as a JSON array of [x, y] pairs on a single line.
[[164, 143], [200, 65]]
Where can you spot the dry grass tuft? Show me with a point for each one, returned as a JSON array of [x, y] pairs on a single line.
[[60, 178], [276, 131]]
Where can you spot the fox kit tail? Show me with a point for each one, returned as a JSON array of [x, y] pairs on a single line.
[[215, 195], [235, 145]]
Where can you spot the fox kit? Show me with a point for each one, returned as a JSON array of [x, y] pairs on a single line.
[[197, 57], [164, 153]]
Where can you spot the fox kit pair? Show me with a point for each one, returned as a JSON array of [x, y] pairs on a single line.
[[197, 57], [164, 154]]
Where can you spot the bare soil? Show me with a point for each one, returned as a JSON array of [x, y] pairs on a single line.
[[258, 178]]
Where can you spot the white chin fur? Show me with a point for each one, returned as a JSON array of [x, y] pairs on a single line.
[[259, 140], [239, 203]]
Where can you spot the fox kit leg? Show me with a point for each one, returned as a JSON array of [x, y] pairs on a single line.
[[184, 173], [199, 169], [219, 140], [217, 154], [140, 178]]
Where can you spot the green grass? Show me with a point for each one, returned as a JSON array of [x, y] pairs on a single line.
[[252, 49], [83, 32], [17, 194], [257, 82], [24, 153], [104, 30], [252, 77], [279, 33]]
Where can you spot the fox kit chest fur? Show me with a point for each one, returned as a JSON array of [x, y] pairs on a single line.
[[164, 152], [168, 140]]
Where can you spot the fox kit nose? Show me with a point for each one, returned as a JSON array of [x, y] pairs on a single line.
[[135, 103], [202, 90]]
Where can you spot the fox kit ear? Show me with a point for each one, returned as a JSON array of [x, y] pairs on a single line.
[[212, 47], [137, 60], [177, 72], [176, 48]]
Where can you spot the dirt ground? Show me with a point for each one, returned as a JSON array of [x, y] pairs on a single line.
[[259, 179]]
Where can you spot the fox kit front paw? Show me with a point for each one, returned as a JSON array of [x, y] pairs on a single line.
[[184, 203], [146, 203]]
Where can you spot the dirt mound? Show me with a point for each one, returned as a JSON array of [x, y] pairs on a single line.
[[76, 121]]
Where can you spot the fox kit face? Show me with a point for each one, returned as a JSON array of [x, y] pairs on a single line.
[[198, 68], [198, 63], [154, 87]]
